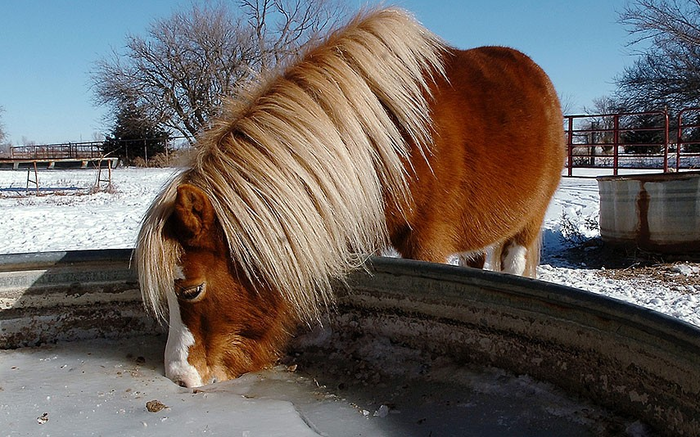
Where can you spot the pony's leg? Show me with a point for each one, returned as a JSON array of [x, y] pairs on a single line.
[[471, 259], [422, 247], [511, 256], [514, 258], [488, 259], [521, 253]]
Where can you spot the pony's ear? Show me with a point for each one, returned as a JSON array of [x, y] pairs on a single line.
[[194, 215]]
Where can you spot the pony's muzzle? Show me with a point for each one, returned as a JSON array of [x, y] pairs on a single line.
[[190, 379], [184, 375]]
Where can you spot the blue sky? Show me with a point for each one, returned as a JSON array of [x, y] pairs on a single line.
[[48, 48]]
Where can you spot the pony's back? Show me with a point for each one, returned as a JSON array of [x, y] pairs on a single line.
[[496, 159]]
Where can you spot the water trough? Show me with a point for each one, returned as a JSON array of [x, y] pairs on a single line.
[[412, 348], [653, 212]]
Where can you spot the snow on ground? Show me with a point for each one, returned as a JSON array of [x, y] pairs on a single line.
[[69, 214], [574, 209]]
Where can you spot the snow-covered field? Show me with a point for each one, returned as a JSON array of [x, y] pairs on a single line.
[[68, 215], [574, 210], [65, 216]]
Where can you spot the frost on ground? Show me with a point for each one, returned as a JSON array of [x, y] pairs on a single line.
[[70, 214]]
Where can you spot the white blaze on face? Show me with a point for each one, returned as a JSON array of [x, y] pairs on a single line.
[[177, 348]]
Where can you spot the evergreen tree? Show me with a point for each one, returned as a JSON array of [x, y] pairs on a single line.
[[643, 134], [134, 136]]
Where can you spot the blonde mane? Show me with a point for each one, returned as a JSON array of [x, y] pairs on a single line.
[[300, 171]]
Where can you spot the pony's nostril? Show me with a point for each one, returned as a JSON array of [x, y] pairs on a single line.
[[181, 383]]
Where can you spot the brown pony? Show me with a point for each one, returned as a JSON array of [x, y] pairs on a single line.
[[380, 136]]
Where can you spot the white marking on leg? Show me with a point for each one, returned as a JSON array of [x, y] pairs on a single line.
[[177, 348], [515, 259]]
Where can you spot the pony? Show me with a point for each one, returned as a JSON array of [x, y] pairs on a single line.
[[379, 136]]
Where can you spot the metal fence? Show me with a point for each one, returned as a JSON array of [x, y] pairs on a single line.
[[688, 139], [607, 142], [636, 140], [87, 150]]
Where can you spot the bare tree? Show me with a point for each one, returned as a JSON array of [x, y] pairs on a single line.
[[603, 105], [567, 103], [293, 24], [602, 123], [667, 73], [3, 135], [178, 74], [4, 141]]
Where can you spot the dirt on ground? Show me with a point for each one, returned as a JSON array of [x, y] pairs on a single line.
[[637, 265]]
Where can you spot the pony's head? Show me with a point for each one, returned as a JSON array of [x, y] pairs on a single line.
[[221, 326], [283, 194]]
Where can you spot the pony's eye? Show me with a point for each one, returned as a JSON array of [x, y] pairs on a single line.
[[191, 293]]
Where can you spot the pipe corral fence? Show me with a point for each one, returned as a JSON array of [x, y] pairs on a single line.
[[64, 155], [58, 151], [634, 140], [608, 142]]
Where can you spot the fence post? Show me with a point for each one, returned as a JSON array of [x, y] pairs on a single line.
[[666, 145], [570, 146], [616, 142], [679, 138]]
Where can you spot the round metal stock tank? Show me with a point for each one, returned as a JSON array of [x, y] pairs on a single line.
[[634, 361], [56, 296], [659, 212]]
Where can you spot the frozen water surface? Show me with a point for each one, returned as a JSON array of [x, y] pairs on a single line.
[[102, 387]]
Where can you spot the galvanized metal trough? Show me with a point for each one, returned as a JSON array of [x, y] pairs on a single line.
[[631, 360], [654, 212]]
